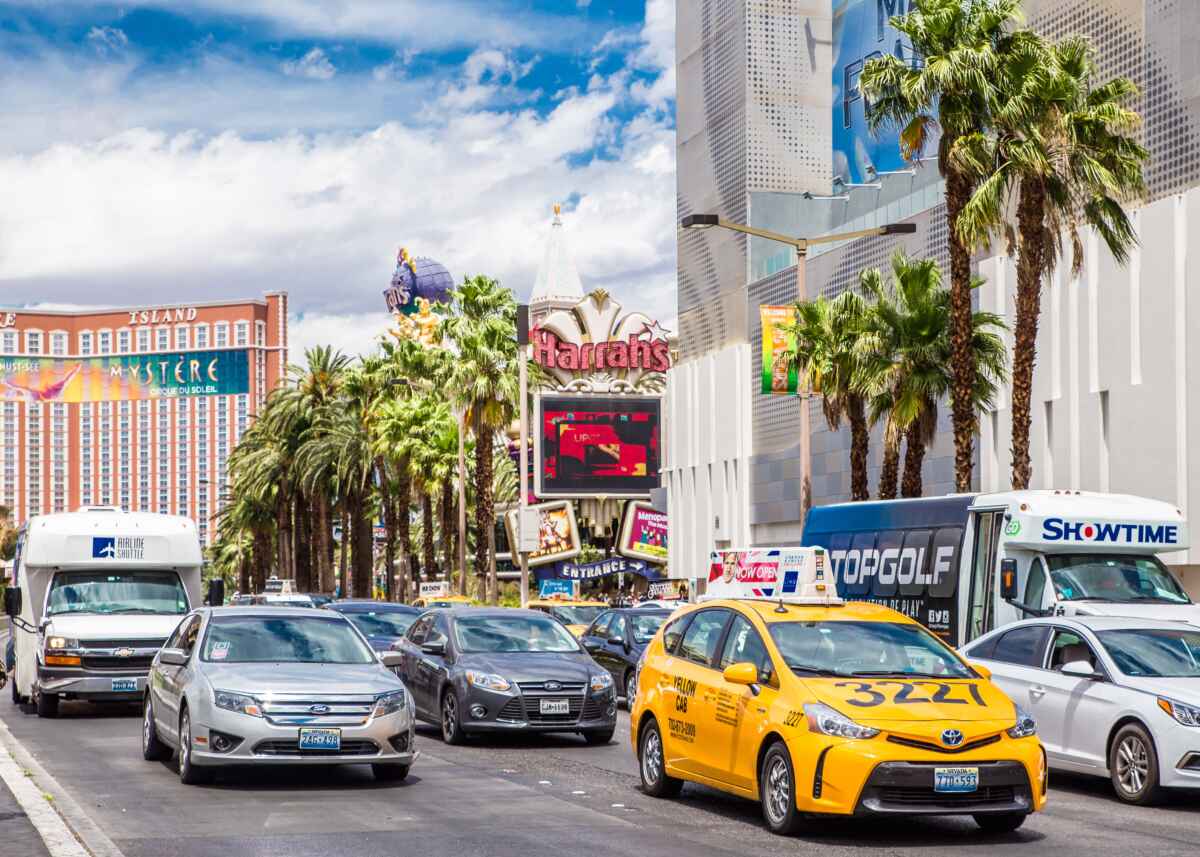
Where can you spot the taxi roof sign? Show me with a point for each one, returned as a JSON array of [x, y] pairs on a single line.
[[793, 575]]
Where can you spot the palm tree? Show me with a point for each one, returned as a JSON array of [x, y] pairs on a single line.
[[484, 383], [825, 333], [1061, 153], [947, 84], [905, 354]]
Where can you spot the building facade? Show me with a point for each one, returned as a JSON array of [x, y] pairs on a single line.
[[1115, 378], [133, 407]]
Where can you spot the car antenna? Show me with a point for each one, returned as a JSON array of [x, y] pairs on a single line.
[[779, 608]]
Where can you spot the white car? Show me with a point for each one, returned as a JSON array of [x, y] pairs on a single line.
[[1116, 697]]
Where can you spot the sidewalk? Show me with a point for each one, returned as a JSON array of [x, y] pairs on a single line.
[[18, 836]]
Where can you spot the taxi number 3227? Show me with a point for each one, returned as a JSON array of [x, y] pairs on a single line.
[[906, 693]]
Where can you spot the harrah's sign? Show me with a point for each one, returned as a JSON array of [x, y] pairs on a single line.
[[650, 355]]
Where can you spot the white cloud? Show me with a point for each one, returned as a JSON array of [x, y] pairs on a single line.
[[314, 65], [107, 40], [353, 334]]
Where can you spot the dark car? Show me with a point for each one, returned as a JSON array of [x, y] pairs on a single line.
[[478, 669], [618, 637], [381, 622]]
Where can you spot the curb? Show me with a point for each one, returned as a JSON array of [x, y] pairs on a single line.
[[65, 828]]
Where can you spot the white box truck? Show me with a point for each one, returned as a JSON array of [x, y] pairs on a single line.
[[967, 563], [96, 594]]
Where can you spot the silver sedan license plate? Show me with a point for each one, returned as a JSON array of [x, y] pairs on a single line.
[[555, 706], [320, 739], [955, 779]]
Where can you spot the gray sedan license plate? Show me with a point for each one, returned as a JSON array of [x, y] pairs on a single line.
[[320, 739], [124, 685], [555, 706], [955, 779]]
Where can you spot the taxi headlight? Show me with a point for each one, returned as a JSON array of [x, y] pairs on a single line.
[[829, 721], [61, 643], [1025, 725], [488, 681], [601, 682], [389, 703], [1188, 715], [238, 702]]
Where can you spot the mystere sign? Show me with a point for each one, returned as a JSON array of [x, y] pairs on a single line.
[[125, 377]]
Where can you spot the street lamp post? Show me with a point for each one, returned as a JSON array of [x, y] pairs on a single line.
[[801, 245]]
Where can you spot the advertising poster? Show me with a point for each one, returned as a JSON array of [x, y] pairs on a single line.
[[125, 377], [861, 32], [643, 533], [779, 377], [551, 588], [558, 536], [587, 446]]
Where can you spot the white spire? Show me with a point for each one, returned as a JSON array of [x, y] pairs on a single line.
[[558, 278]]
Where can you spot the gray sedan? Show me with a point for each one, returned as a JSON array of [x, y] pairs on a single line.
[[275, 686], [475, 670]]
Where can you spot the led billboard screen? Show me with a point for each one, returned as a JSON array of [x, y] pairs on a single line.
[[597, 445]]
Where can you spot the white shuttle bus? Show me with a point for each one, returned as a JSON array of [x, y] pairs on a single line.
[[96, 594], [967, 563]]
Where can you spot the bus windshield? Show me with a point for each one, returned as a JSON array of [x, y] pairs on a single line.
[[117, 591], [1112, 577]]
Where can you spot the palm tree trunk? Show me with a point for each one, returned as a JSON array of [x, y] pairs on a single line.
[[958, 192], [323, 542], [344, 558], [389, 526], [891, 465], [447, 513], [484, 514], [404, 529], [428, 559], [302, 542], [860, 446], [262, 559], [1030, 223], [914, 457], [244, 575], [283, 532], [362, 555]]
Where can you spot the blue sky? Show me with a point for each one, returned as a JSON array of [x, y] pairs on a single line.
[[202, 148]]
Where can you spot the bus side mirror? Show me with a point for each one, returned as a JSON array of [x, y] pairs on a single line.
[[1008, 579], [216, 592], [12, 601]]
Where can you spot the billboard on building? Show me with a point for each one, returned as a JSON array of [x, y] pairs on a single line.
[[558, 535], [125, 377], [779, 374], [861, 32], [588, 446], [643, 533]]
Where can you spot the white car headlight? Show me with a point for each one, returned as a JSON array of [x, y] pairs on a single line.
[[1188, 715], [488, 681], [601, 682], [238, 702], [1025, 726], [61, 643], [829, 721], [390, 703]]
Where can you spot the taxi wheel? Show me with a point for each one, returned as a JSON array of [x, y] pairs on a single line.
[[1133, 765], [651, 764], [777, 791], [452, 732], [1005, 822], [390, 773], [189, 774], [153, 750]]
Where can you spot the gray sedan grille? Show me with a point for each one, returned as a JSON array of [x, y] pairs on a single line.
[[325, 711]]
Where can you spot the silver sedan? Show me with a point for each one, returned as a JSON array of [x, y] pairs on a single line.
[[275, 686]]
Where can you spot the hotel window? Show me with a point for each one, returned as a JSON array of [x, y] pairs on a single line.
[[58, 344], [10, 342], [164, 339], [181, 337], [33, 341], [85, 342], [104, 342], [202, 336], [221, 332], [260, 333], [143, 339], [123, 340], [243, 333]]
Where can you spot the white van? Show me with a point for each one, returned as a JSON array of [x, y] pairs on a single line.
[[95, 595]]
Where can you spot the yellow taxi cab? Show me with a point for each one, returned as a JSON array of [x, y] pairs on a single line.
[[445, 601], [576, 613], [815, 706]]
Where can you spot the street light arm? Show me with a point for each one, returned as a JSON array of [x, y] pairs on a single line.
[[801, 244]]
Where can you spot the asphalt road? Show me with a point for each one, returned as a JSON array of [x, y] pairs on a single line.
[[549, 795]]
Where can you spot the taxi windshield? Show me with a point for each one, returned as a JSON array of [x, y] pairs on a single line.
[[1158, 653], [865, 649], [576, 615], [1112, 577]]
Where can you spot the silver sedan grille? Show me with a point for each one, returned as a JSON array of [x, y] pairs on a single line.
[[323, 711]]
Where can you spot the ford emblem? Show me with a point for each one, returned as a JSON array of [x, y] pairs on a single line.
[[318, 709], [552, 686], [123, 652], [952, 737]]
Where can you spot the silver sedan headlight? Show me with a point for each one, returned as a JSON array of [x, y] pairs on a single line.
[[1188, 715], [390, 703], [238, 702]]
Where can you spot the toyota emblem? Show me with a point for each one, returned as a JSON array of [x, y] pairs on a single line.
[[123, 653], [952, 737], [553, 686], [318, 709]]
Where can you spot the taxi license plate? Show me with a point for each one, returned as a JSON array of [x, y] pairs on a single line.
[[955, 779], [555, 706], [320, 739], [124, 685]]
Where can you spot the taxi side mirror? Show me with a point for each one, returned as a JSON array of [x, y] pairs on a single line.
[[983, 671], [1008, 579], [744, 673]]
